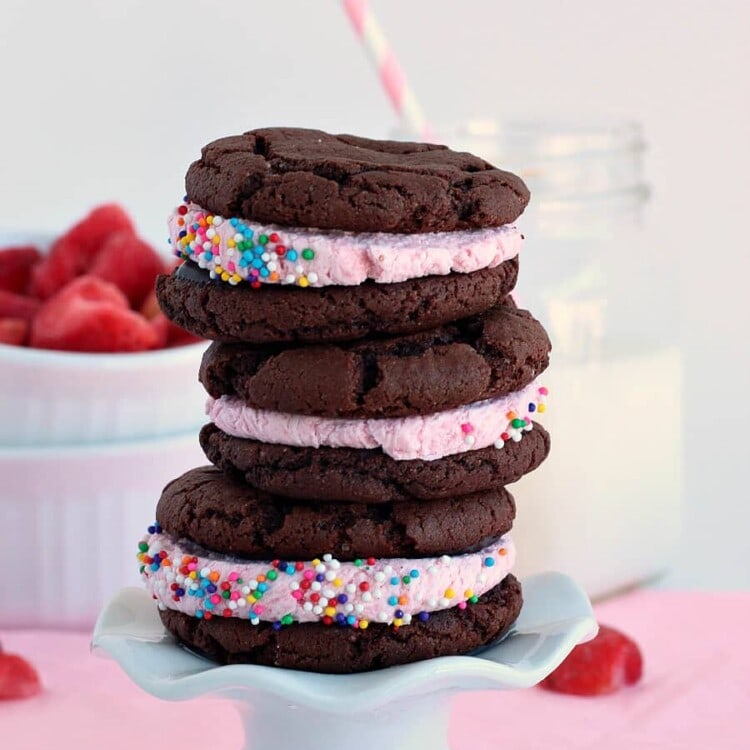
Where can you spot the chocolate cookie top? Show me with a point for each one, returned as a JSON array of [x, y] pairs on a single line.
[[231, 517], [485, 356], [308, 178]]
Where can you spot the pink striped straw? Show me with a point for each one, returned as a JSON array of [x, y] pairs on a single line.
[[392, 77]]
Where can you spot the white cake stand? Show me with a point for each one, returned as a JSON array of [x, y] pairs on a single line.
[[401, 708]]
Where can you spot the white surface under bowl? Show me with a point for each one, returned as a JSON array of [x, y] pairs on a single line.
[[70, 521], [61, 398]]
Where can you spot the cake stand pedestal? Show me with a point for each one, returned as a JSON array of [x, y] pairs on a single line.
[[401, 708], [415, 727]]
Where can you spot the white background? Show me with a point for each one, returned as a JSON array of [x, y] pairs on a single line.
[[112, 100]]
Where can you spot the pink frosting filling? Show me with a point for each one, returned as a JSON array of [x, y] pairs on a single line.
[[200, 583], [429, 437], [338, 258]]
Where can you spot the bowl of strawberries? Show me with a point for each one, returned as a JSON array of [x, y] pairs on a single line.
[[86, 356], [100, 409]]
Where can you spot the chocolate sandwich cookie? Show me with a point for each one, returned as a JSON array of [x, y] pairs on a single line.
[[233, 518], [319, 648], [222, 312], [308, 178], [370, 476], [488, 355], [372, 389]]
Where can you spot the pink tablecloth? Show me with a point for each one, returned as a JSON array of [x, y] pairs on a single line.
[[696, 693]]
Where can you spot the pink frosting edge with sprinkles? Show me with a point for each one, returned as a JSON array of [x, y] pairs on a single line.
[[426, 437], [187, 579], [308, 257]]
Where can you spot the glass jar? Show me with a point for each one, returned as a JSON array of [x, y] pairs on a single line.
[[605, 507]]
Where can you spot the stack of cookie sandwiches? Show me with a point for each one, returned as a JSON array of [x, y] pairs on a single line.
[[372, 389]]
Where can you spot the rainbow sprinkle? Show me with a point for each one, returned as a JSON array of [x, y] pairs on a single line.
[[249, 254], [314, 588], [515, 426]]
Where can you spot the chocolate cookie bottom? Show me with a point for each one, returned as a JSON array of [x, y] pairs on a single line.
[[314, 647], [369, 476], [219, 311]]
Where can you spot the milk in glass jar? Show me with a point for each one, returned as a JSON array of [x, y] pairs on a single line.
[[605, 507]]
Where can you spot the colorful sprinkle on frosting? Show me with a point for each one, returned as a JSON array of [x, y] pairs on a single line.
[[516, 425], [250, 255], [425, 437], [189, 579], [237, 250]]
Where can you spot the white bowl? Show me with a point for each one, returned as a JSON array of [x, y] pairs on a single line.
[[60, 398], [70, 521]]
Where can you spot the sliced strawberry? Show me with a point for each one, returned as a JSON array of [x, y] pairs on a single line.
[[73, 253], [16, 264], [129, 263], [98, 327], [170, 334], [90, 289], [14, 331], [160, 324], [17, 306], [603, 665], [62, 264], [180, 337], [18, 679], [150, 307], [91, 315]]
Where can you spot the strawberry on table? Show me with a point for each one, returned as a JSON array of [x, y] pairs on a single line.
[[130, 263], [91, 315], [16, 264], [14, 331], [73, 253], [18, 679], [603, 665], [17, 306]]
